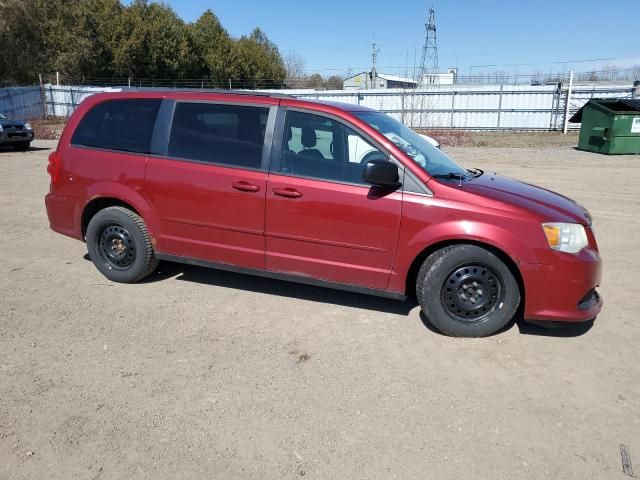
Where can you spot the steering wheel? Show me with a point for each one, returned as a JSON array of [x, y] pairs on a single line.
[[372, 156]]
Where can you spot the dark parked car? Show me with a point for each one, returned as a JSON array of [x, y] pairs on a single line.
[[15, 133], [320, 193]]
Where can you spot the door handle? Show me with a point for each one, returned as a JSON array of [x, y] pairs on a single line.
[[287, 192], [245, 186]]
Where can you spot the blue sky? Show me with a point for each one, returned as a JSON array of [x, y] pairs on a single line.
[[334, 35]]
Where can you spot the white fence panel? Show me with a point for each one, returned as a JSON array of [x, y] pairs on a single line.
[[21, 102], [477, 107], [63, 100], [472, 107]]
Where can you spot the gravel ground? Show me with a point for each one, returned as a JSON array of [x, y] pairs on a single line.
[[204, 374]]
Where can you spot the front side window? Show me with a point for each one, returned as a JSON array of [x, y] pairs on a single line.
[[124, 125], [319, 147], [222, 134]]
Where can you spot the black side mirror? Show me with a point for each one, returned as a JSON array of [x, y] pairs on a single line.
[[381, 173]]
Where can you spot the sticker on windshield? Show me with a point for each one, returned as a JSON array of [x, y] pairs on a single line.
[[635, 125]]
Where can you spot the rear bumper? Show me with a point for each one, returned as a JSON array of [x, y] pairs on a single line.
[[62, 213], [565, 291]]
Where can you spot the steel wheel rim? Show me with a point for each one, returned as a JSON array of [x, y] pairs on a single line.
[[116, 246], [472, 292]]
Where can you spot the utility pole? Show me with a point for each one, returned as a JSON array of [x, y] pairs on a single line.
[[568, 104], [429, 69], [374, 56]]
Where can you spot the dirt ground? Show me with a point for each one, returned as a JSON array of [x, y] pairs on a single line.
[[204, 374], [534, 140]]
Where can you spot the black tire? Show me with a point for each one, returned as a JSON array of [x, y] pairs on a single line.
[[22, 147], [467, 291], [120, 246]]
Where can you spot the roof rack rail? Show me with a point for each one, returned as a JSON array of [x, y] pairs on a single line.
[[207, 90]]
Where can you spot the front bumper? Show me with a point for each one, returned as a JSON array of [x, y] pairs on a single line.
[[565, 291], [11, 137]]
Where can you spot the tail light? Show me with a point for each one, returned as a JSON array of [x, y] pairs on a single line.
[[53, 169]]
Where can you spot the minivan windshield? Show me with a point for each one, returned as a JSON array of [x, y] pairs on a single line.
[[431, 159]]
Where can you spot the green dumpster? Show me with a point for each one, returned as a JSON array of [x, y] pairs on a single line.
[[610, 126]]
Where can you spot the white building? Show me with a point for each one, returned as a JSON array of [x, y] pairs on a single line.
[[362, 81], [448, 78]]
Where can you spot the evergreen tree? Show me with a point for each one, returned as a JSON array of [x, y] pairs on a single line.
[[103, 38]]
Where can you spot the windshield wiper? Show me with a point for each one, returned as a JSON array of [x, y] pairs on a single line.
[[450, 175], [476, 172]]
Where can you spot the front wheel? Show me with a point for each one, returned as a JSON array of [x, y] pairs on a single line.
[[120, 245], [23, 146], [467, 291]]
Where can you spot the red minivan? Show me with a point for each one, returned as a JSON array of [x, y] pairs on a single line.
[[321, 193]]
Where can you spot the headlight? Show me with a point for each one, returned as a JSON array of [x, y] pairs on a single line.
[[566, 237], [1, 128], [27, 126]]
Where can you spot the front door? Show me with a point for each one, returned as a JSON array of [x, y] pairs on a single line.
[[322, 220], [209, 191]]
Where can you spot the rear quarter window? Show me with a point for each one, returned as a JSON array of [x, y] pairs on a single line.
[[125, 125]]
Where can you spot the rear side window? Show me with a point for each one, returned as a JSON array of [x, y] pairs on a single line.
[[125, 125], [222, 134]]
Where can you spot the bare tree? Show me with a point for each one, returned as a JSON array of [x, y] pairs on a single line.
[[609, 72], [500, 76], [315, 81], [294, 65], [536, 78], [334, 82]]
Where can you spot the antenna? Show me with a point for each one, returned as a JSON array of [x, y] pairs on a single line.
[[429, 64], [374, 56]]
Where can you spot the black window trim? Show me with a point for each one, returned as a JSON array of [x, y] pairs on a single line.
[[113, 150], [276, 151], [109, 150], [164, 133], [162, 130], [420, 189]]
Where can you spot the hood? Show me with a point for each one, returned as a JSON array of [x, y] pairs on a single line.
[[11, 123], [551, 206]]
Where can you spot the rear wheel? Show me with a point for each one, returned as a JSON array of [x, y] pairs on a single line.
[[467, 291], [120, 245]]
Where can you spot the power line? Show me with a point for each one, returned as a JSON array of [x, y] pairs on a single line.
[[603, 75], [560, 62]]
